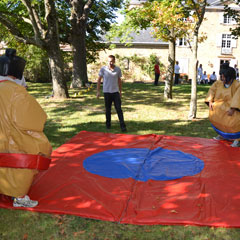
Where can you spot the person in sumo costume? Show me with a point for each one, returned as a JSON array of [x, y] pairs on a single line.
[[24, 148], [223, 99]]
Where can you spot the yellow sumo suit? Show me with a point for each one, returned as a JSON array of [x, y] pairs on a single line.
[[224, 98], [21, 131]]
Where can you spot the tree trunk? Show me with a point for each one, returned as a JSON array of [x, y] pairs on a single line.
[[57, 73], [79, 16], [51, 44], [170, 71], [80, 77], [193, 102], [200, 15]]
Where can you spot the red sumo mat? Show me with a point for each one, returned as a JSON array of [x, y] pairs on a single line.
[[141, 179]]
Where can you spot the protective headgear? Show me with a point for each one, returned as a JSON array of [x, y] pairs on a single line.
[[12, 66], [10, 52], [229, 74], [223, 68]]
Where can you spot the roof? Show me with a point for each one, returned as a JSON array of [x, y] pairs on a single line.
[[144, 37], [212, 3]]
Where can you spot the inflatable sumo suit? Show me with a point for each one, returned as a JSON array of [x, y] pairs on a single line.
[[21, 129], [223, 98]]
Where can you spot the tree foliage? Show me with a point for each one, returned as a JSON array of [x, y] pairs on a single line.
[[36, 70], [101, 17]]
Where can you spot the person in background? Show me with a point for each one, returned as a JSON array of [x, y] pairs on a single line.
[[199, 74], [212, 78], [112, 90], [176, 72], [237, 71], [21, 134], [204, 79], [223, 100], [157, 72]]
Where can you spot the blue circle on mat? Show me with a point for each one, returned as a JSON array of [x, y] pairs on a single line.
[[143, 164]]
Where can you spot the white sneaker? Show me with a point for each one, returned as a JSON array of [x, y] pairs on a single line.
[[24, 202], [235, 143], [218, 137]]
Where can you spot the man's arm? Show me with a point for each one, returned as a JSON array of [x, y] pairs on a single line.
[[98, 86], [120, 86]]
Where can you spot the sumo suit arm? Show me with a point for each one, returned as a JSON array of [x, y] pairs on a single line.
[[209, 100], [235, 103]]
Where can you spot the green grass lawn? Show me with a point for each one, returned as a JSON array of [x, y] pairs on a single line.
[[145, 112]]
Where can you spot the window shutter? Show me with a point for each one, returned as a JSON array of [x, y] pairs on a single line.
[[216, 67], [219, 40], [233, 42]]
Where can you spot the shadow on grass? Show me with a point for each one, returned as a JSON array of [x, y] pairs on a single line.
[[58, 134], [133, 95], [65, 119]]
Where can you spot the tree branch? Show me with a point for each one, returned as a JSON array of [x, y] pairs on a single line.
[[37, 27], [14, 31], [38, 21], [87, 8], [80, 9]]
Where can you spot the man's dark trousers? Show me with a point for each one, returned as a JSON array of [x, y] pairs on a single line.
[[109, 98]]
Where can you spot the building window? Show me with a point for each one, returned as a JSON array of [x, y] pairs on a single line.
[[226, 40], [228, 20], [182, 42]]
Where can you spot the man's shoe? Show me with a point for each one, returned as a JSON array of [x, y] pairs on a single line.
[[108, 126], [218, 137], [235, 143], [24, 202]]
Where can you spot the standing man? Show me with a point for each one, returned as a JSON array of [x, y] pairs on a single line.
[[157, 72], [199, 74], [112, 90], [177, 72], [237, 72]]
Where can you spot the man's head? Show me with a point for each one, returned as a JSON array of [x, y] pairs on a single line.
[[111, 61], [10, 52], [12, 66]]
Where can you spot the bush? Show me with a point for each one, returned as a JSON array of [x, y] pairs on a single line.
[[144, 64]]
